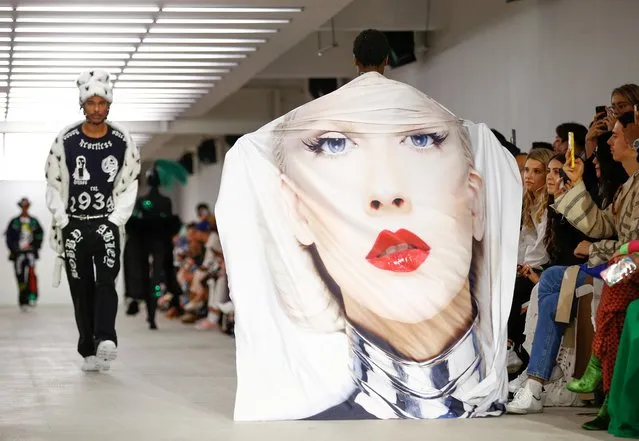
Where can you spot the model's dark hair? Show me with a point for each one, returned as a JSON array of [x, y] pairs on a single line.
[[626, 118], [371, 48]]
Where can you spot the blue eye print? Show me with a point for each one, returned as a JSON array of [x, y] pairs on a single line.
[[331, 144], [425, 140]]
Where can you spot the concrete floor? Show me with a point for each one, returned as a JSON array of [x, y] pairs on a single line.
[[178, 384]]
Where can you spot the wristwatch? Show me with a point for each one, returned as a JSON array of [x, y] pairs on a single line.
[[635, 144]]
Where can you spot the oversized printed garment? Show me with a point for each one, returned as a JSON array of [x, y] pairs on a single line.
[[370, 239]]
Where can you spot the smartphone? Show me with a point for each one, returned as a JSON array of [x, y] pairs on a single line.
[[602, 110], [564, 176]]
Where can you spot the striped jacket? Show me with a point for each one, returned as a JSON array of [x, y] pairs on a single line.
[[616, 225]]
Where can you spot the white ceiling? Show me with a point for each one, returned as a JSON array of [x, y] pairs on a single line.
[[180, 66], [167, 57]]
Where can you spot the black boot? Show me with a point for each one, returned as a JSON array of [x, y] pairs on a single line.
[[133, 308]]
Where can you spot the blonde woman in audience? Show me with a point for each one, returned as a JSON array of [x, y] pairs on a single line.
[[532, 251]]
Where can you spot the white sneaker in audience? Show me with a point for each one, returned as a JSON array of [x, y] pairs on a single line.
[[90, 364], [226, 308], [527, 399], [514, 362], [193, 306], [517, 383]]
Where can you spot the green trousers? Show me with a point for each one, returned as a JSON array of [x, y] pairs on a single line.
[[623, 404]]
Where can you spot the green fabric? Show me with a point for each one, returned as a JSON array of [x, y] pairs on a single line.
[[624, 249], [623, 404], [170, 172]]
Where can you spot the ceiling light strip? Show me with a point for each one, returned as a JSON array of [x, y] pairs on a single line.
[[149, 63], [77, 39], [223, 21], [80, 30], [84, 20], [86, 8], [230, 9], [144, 70], [167, 30], [71, 55], [187, 40], [137, 77], [188, 56], [61, 63], [71, 48], [165, 48]]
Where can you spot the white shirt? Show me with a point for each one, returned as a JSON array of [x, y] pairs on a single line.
[[532, 250]]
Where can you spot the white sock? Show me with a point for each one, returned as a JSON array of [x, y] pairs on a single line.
[[534, 386]]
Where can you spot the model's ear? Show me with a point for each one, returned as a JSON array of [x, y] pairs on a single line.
[[295, 211], [477, 203]]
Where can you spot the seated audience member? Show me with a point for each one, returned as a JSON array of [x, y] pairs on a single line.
[[207, 235], [609, 322], [180, 254], [532, 252], [577, 206], [560, 144]]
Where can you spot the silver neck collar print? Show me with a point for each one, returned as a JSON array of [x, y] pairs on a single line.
[[392, 387]]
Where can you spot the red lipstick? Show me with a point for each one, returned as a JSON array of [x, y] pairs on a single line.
[[400, 252]]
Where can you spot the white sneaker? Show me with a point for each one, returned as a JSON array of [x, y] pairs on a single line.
[[514, 362], [226, 308], [107, 352], [90, 364], [517, 383], [526, 401]]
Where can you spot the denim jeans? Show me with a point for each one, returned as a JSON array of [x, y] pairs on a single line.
[[548, 333]]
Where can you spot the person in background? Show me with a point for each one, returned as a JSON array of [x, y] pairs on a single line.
[[371, 51], [519, 156], [560, 144], [542, 145], [24, 239], [203, 211]]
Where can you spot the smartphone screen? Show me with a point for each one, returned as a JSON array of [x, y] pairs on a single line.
[[601, 112]]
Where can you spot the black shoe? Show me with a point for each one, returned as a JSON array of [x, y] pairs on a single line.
[[153, 325], [133, 308]]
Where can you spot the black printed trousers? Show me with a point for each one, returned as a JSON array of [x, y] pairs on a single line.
[[92, 260]]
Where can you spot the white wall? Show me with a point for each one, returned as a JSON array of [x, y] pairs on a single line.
[[203, 186], [528, 65]]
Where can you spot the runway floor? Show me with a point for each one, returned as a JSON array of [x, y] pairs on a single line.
[[178, 384]]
